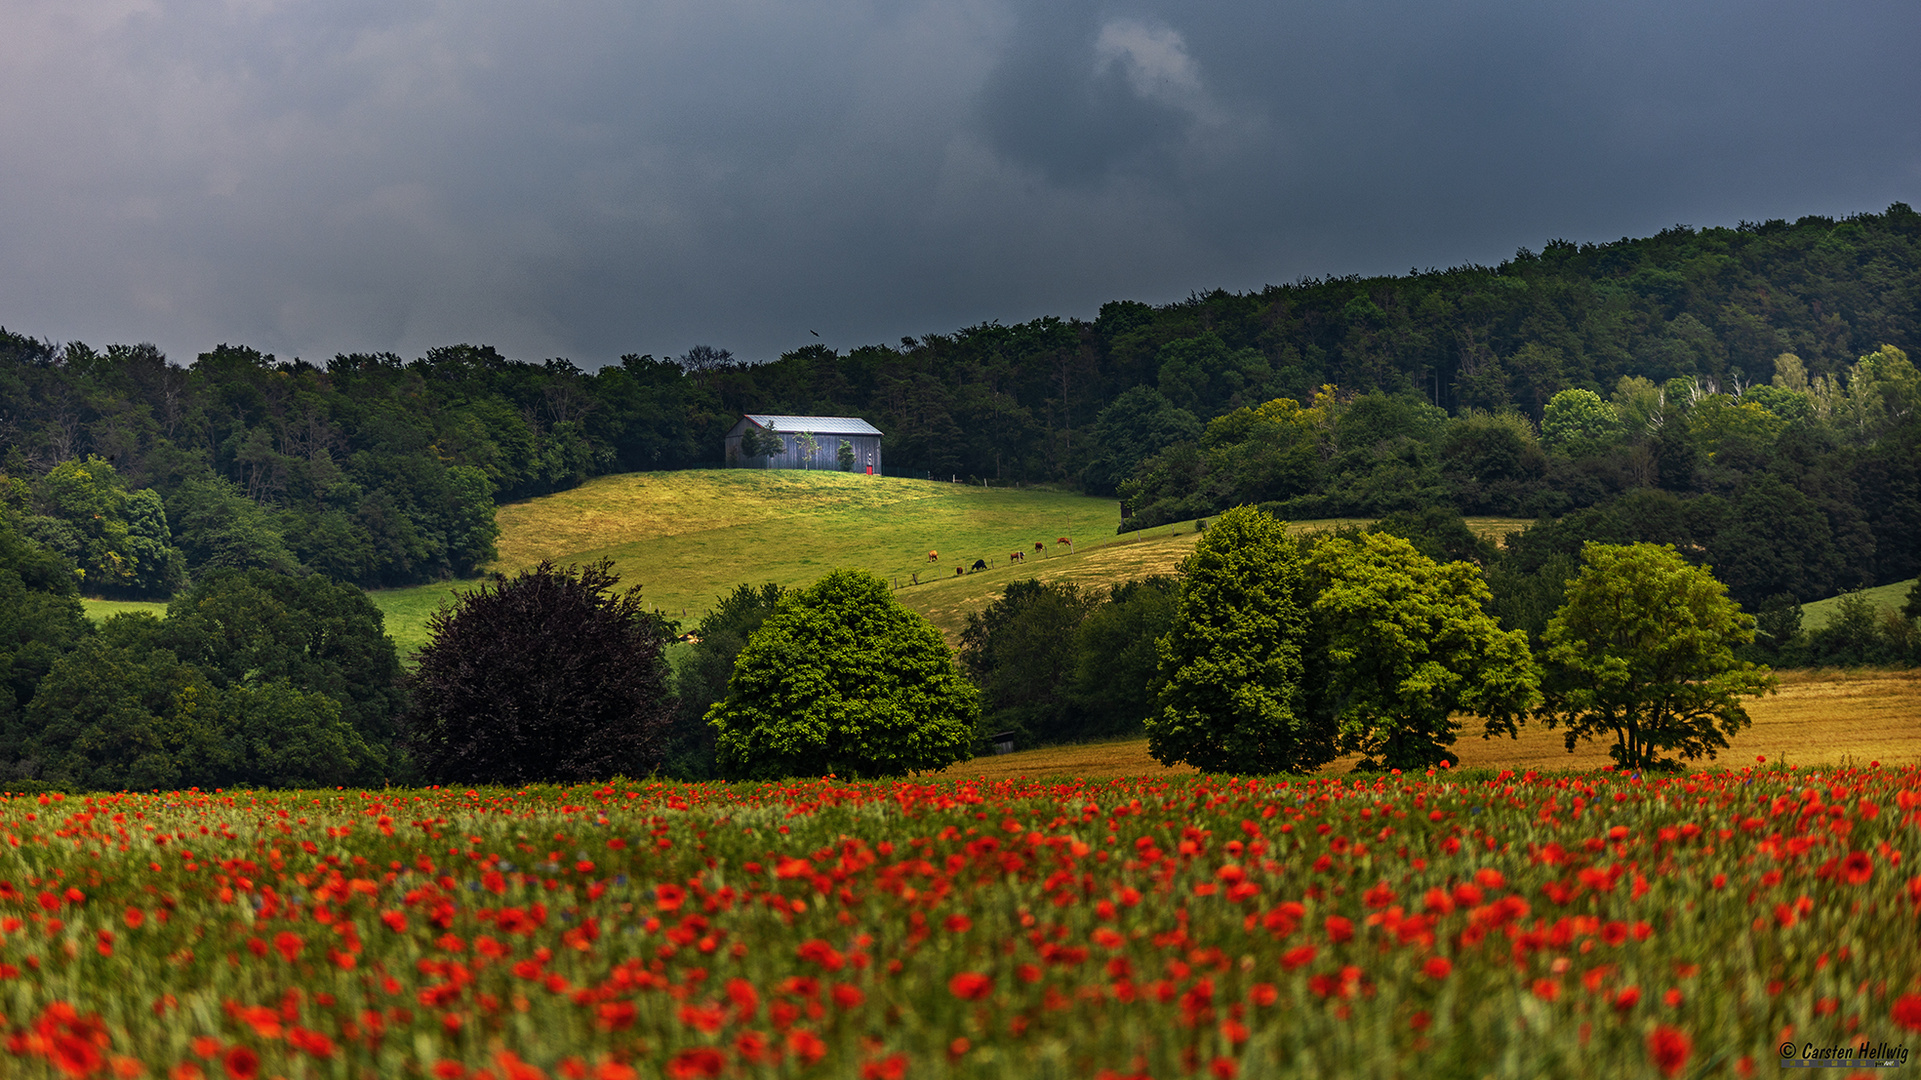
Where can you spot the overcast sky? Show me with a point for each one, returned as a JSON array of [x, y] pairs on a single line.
[[596, 177]]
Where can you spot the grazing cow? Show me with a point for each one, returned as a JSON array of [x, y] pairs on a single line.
[[933, 556], [1018, 556], [1038, 546], [958, 571], [979, 564]]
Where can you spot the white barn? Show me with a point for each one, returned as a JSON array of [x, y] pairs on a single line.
[[805, 442]]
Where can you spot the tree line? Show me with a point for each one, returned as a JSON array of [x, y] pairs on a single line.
[[1794, 489], [1731, 360], [1266, 653], [1062, 662]]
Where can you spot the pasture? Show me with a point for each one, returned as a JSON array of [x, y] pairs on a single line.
[[102, 610], [1888, 597], [688, 537]]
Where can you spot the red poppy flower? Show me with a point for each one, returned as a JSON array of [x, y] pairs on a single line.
[[696, 1062], [242, 1063], [1669, 1048], [1857, 868], [1907, 1012], [970, 986], [806, 1046]]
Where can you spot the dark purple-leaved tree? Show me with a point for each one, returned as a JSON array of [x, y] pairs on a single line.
[[546, 676]]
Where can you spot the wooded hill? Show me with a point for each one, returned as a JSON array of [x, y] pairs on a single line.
[[1425, 389]]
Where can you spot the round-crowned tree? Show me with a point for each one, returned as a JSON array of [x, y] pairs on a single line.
[[1643, 650], [546, 676], [1232, 664], [1402, 644], [842, 679]]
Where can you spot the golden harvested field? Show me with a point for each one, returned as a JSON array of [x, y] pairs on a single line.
[[1821, 717]]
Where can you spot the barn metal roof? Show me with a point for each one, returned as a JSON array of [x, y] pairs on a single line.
[[818, 425]]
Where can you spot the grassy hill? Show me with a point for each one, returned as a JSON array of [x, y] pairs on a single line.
[[688, 537], [1892, 597]]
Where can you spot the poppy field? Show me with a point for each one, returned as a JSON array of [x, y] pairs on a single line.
[[1446, 924]]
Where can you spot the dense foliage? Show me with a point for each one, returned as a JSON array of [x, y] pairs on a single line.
[[254, 678], [1643, 652], [1058, 662], [40, 617], [1722, 365], [842, 680], [701, 671], [1402, 645], [1797, 488], [1558, 927], [1232, 664], [547, 675]]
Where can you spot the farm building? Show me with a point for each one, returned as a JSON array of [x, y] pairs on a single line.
[[803, 442]]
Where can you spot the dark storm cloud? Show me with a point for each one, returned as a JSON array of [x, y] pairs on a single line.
[[590, 179]]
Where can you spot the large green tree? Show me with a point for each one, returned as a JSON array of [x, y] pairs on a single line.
[[1232, 663], [1577, 421], [242, 627], [118, 540], [549, 675], [1643, 650], [1404, 644], [844, 680]]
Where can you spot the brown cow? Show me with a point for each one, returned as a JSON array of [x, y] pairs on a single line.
[[1018, 556], [958, 571], [1038, 546], [933, 556]]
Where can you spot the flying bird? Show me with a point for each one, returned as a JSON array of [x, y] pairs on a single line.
[[816, 333]]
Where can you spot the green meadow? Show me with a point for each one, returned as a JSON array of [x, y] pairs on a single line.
[[1816, 615], [687, 538]]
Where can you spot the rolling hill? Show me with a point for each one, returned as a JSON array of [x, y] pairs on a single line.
[[688, 537]]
